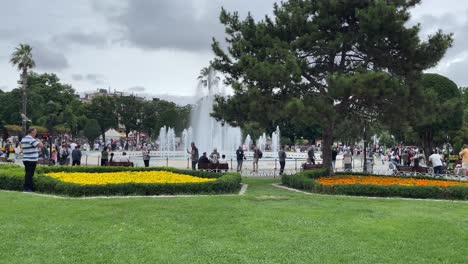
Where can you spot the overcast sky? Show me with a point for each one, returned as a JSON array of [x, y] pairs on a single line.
[[159, 46]]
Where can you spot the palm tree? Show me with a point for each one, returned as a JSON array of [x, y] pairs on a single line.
[[22, 58], [208, 77]]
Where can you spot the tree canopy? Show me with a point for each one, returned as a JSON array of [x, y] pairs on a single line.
[[338, 58]]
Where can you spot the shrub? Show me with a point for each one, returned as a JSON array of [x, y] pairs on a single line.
[[11, 178]]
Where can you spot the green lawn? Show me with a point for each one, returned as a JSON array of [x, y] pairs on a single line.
[[267, 225]]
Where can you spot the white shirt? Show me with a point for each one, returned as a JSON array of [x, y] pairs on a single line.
[[435, 160], [223, 161]]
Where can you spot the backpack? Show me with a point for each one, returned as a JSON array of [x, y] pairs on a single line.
[[260, 154]]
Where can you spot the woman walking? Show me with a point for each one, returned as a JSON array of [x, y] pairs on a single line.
[[146, 156]]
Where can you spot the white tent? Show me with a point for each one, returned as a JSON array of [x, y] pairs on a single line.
[[112, 134]]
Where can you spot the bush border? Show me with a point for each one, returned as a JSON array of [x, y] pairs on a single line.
[[11, 178], [306, 181]]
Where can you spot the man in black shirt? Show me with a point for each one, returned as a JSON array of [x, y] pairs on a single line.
[[240, 158], [334, 154], [203, 159]]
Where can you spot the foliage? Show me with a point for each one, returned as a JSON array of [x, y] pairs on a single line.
[[13, 128], [129, 111], [340, 58], [12, 179], [40, 129], [22, 57], [440, 112], [91, 130], [103, 110]]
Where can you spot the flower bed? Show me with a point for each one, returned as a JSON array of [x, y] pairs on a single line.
[[379, 186], [108, 181], [386, 181], [126, 177]]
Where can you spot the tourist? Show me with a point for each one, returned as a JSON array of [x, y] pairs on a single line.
[[203, 159], [17, 151], [54, 156], [124, 157], [111, 159], [73, 146], [334, 154], [214, 156], [257, 154], [404, 158], [307, 164], [63, 155], [347, 161], [76, 156], [311, 154], [223, 160], [104, 157], [7, 150], [193, 155], [464, 156], [146, 156], [436, 162], [30, 156], [282, 159], [240, 158]]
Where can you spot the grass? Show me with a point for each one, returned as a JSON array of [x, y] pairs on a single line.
[[267, 225]]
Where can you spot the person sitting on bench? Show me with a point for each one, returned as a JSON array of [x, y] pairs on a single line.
[[123, 158], [203, 159], [223, 160]]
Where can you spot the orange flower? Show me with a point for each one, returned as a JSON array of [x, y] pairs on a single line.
[[384, 180]]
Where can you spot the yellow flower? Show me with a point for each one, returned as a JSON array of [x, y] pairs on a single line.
[[126, 177]]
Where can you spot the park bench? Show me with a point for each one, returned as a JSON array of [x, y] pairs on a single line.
[[120, 164], [410, 170], [213, 167], [2, 159], [45, 162], [311, 166]]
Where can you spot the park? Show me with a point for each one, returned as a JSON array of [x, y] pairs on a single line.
[[322, 132]]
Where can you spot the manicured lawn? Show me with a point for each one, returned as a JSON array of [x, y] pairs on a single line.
[[267, 225]]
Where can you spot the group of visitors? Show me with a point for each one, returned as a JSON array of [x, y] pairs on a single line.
[[107, 155], [214, 158]]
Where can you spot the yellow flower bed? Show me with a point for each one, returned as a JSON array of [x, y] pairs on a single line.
[[126, 177]]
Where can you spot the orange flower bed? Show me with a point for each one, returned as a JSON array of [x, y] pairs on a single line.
[[386, 181]]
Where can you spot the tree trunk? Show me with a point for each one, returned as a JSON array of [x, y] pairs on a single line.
[[327, 143], [103, 133], [427, 143]]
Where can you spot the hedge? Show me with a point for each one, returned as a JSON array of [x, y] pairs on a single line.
[[306, 181], [12, 178]]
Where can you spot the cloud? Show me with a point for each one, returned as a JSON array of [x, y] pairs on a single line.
[[93, 39], [136, 89], [93, 78], [186, 25], [3, 88], [456, 71], [47, 58]]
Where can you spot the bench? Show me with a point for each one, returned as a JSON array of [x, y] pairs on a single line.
[[2, 159], [311, 166], [120, 164], [410, 170], [213, 167], [46, 162]]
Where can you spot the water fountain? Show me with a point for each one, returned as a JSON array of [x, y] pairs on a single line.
[[208, 133], [166, 140]]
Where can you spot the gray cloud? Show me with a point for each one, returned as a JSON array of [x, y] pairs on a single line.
[[457, 72], [167, 24], [47, 58], [87, 39], [93, 78], [3, 87], [136, 89]]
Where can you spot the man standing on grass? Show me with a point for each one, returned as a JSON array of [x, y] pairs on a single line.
[[30, 147]]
